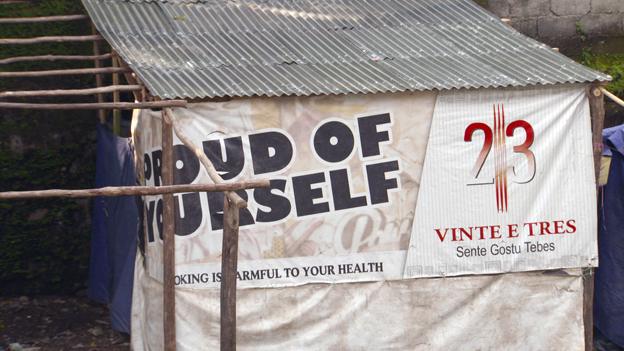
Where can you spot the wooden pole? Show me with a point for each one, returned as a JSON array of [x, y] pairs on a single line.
[[212, 172], [95, 57], [70, 92], [229, 266], [97, 64], [597, 113], [61, 72], [612, 96], [95, 106], [116, 112], [131, 79], [50, 39], [133, 190], [168, 218], [7, 2], [43, 19]]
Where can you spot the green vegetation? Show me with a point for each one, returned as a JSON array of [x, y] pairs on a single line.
[[610, 63], [44, 244]]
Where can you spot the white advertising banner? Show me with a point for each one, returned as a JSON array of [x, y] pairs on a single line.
[[508, 184], [344, 173], [381, 187]]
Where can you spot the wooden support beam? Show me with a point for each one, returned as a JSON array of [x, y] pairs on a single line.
[[131, 79], [597, 113], [70, 92], [612, 97], [116, 113], [199, 152], [43, 19], [95, 106], [133, 190], [7, 2], [50, 39], [229, 266], [168, 219], [98, 77], [62, 72], [55, 58]]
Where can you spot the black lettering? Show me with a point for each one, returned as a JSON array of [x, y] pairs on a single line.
[[187, 222], [151, 208], [159, 217], [156, 164], [270, 151], [231, 164], [378, 184], [305, 194], [341, 191], [215, 208], [278, 203], [370, 137], [147, 167], [333, 141], [186, 165]]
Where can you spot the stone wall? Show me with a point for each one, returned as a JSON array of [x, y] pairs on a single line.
[[558, 21]]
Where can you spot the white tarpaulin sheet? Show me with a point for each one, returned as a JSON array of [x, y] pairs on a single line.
[[519, 311], [508, 184], [372, 191]]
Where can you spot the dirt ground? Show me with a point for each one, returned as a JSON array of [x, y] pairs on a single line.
[[57, 323]]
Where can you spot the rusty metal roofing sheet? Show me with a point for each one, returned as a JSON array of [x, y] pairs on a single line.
[[214, 48]]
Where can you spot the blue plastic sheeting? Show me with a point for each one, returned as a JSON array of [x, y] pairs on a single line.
[[609, 293], [115, 226]]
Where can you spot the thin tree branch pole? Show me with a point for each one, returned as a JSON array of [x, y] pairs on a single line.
[[116, 113], [62, 72], [133, 190], [7, 2], [597, 113], [131, 79], [55, 58], [43, 19], [50, 39], [98, 77], [96, 106], [229, 266], [168, 219], [612, 96], [212, 172], [70, 92]]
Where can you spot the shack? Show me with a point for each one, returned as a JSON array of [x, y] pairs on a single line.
[[431, 175]]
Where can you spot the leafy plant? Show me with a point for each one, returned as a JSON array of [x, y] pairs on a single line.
[[611, 64]]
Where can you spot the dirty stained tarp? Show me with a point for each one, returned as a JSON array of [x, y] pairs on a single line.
[[521, 311]]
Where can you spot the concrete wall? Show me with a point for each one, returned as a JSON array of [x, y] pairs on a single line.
[[557, 21]]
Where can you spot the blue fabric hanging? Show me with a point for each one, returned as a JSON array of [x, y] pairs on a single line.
[[609, 288], [114, 233]]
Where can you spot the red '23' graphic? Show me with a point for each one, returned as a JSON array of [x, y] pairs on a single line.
[[496, 137]]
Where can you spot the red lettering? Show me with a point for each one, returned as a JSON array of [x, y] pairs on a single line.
[[544, 228], [572, 226], [494, 230], [464, 232], [441, 236], [559, 227], [481, 231], [530, 224], [513, 229]]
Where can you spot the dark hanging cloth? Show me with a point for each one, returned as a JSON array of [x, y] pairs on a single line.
[[114, 232], [609, 293]]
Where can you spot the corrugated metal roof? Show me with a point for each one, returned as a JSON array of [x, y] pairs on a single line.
[[213, 48]]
